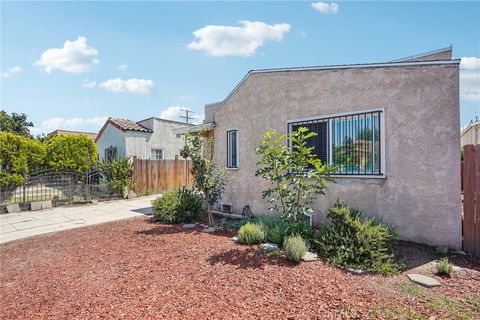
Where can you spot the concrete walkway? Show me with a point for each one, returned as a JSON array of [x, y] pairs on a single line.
[[25, 224]]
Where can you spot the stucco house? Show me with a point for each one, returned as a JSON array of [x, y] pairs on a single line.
[[471, 133], [152, 138], [391, 128]]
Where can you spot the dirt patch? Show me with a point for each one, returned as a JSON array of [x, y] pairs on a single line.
[[137, 269]]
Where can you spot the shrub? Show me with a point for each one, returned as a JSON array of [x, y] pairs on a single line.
[[19, 156], [119, 173], [294, 248], [352, 243], [442, 250], [274, 228], [251, 233], [177, 206], [71, 153], [444, 267]]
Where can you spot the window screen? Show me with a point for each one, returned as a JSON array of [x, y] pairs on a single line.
[[232, 149], [319, 143], [352, 142]]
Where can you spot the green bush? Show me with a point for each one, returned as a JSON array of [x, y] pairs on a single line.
[[71, 153], [18, 157], [178, 206], [251, 233], [294, 248], [301, 227], [119, 174], [352, 243], [442, 250], [444, 267], [274, 228]]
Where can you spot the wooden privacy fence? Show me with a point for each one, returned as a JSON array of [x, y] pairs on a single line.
[[155, 176], [471, 200]]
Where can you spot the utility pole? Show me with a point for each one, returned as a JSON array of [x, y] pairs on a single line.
[[187, 116]]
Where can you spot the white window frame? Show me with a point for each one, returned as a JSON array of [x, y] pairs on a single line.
[[151, 155], [237, 149], [330, 142]]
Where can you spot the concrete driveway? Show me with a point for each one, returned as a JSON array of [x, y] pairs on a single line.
[[25, 224]]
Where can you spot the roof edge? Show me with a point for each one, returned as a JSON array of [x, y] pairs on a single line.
[[336, 67], [423, 54], [166, 120]]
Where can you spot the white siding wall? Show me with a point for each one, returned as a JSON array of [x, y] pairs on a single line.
[[163, 137], [111, 137]]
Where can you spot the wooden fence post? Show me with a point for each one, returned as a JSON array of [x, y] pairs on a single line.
[[471, 200]]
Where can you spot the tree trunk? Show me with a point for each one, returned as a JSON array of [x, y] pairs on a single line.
[[210, 216]]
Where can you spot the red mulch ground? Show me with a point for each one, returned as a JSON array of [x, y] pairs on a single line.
[[136, 269]]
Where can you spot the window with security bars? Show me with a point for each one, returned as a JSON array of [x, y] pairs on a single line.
[[350, 142], [110, 153], [156, 154], [232, 149]]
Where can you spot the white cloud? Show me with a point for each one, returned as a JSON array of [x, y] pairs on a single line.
[[326, 8], [123, 67], [140, 86], [470, 79], [75, 57], [219, 41], [62, 123], [470, 63], [12, 71], [174, 113], [89, 84]]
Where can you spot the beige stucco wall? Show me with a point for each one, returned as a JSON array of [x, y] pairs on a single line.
[[420, 194], [471, 135]]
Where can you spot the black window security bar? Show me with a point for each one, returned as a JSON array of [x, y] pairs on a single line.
[[351, 142], [232, 149]]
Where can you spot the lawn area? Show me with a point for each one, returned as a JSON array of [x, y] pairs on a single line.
[[139, 269]]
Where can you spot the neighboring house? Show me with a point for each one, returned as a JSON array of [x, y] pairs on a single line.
[[152, 138], [59, 132], [391, 128], [471, 134]]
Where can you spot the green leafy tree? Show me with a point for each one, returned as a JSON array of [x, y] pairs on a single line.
[[297, 175], [15, 123], [71, 153], [18, 157], [208, 178], [119, 174]]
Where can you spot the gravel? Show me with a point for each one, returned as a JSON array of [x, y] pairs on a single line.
[[134, 269]]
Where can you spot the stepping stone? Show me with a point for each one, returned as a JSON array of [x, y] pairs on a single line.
[[310, 257], [356, 271], [235, 239], [189, 225], [422, 280], [209, 230], [268, 247], [456, 268], [13, 208]]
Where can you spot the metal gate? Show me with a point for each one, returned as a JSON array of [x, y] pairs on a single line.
[[60, 187]]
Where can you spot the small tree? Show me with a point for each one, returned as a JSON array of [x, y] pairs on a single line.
[[119, 173], [208, 178], [297, 175], [72, 153]]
